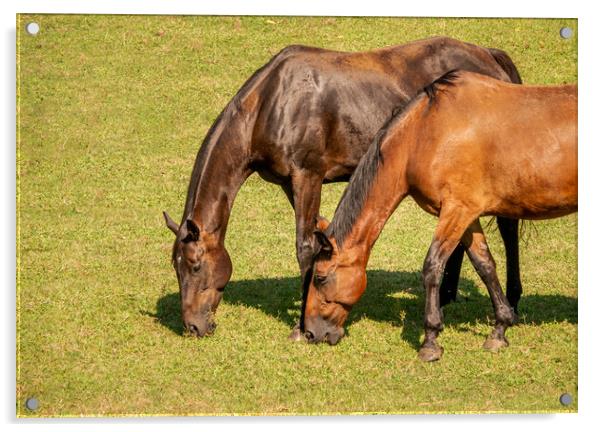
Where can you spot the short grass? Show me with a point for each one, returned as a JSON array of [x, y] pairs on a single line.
[[112, 110]]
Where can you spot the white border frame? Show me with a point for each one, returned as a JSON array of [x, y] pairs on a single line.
[[590, 26]]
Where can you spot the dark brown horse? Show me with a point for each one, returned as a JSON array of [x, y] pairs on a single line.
[[469, 146], [305, 118]]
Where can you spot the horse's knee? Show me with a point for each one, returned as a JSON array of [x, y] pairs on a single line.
[[432, 271], [304, 254]]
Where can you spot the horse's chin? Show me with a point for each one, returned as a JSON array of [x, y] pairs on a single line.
[[334, 337]]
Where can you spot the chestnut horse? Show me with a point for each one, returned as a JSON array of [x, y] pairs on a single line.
[[468, 146], [305, 118]]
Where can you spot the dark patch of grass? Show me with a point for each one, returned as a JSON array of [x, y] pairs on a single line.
[[389, 293]]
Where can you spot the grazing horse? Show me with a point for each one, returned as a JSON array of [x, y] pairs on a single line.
[[303, 119], [468, 146]]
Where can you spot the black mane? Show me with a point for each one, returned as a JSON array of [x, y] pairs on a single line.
[[355, 194], [447, 79]]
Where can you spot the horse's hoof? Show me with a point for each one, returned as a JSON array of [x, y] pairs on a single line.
[[494, 344], [430, 353], [296, 335]]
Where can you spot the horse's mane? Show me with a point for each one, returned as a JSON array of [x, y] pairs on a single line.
[[447, 79], [355, 194], [353, 198]]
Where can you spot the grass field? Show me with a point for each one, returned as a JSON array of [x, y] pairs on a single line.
[[111, 112]]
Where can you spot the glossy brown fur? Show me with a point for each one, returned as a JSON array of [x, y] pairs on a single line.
[[305, 118], [477, 147]]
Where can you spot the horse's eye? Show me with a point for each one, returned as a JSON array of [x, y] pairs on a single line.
[[320, 279]]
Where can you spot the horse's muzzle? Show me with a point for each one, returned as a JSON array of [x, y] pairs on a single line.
[[319, 330], [200, 327]]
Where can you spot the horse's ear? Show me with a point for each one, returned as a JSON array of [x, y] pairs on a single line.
[[324, 246], [321, 223], [174, 227], [192, 232]]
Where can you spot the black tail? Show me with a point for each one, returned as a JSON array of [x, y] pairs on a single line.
[[507, 64]]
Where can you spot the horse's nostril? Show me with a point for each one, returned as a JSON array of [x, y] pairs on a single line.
[[193, 329], [309, 336]]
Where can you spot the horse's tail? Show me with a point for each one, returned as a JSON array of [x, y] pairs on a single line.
[[507, 64], [527, 229]]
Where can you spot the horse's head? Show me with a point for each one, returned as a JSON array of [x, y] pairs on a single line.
[[203, 268], [337, 283]]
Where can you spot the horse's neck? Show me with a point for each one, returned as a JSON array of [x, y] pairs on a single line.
[[387, 190], [220, 170]]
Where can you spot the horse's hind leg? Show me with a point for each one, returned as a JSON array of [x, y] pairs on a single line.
[[509, 231], [453, 221], [304, 193], [484, 264], [451, 276]]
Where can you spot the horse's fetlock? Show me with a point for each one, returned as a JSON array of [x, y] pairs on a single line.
[[506, 315], [434, 321]]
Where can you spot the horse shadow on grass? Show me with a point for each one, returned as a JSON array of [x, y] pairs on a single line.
[[388, 297]]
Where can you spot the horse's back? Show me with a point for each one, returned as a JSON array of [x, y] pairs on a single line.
[[512, 148], [319, 109]]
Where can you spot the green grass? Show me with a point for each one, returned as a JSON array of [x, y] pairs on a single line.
[[112, 110]]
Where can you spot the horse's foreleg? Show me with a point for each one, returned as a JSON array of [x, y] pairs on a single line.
[[453, 221], [509, 231], [484, 264], [307, 188], [304, 194]]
